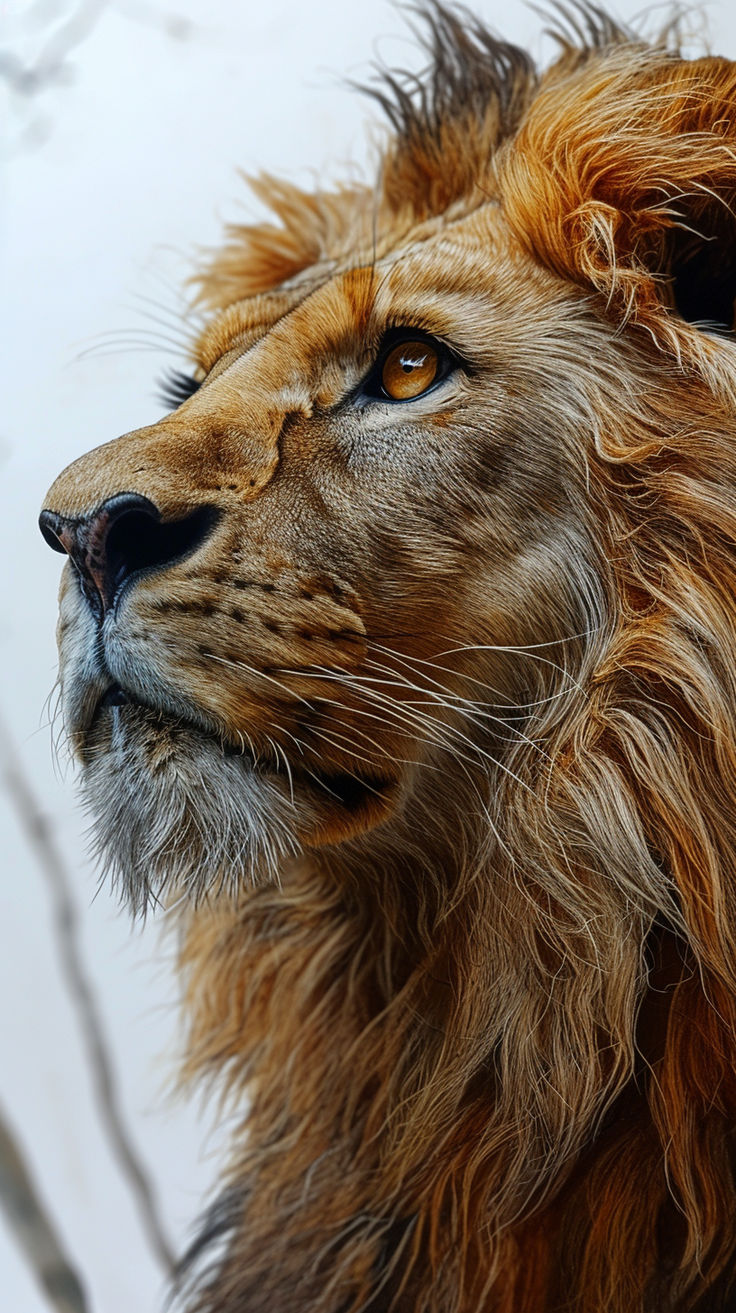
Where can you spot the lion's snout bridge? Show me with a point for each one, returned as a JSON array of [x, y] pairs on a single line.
[[122, 539]]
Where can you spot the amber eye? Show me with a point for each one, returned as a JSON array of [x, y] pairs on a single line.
[[409, 369]]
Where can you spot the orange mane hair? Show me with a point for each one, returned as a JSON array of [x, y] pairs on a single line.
[[499, 1073]]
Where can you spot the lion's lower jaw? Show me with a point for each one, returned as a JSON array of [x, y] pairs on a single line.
[[178, 816]]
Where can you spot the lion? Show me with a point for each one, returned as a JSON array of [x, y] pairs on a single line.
[[399, 659]]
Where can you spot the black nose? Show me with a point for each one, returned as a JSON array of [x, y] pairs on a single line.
[[123, 539]]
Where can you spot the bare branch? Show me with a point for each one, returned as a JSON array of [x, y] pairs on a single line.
[[52, 61], [66, 924], [34, 1230], [52, 65]]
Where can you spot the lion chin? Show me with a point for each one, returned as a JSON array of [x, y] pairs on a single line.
[[178, 811], [174, 810], [399, 656]]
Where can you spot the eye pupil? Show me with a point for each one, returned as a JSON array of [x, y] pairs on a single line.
[[409, 370]]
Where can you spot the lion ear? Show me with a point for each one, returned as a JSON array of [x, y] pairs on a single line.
[[623, 177]]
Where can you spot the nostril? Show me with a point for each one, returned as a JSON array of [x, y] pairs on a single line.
[[136, 541], [125, 537]]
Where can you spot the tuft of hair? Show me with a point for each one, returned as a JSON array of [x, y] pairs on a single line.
[[186, 837]]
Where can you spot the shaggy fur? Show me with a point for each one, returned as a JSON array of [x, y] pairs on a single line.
[[438, 724]]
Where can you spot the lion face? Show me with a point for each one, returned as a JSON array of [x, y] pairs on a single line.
[[377, 546], [279, 596]]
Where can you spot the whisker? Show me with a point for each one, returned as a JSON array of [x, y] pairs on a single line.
[[280, 754], [342, 677], [432, 699], [373, 715], [183, 313], [253, 670], [337, 739], [521, 647], [391, 705], [529, 650], [466, 703], [106, 349], [301, 746], [178, 303], [140, 333], [322, 785], [462, 674], [374, 742], [327, 737], [174, 325]]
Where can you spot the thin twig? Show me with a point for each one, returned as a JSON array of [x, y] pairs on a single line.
[[66, 924], [34, 1230], [49, 66]]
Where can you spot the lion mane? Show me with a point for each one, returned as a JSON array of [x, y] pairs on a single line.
[[479, 1004]]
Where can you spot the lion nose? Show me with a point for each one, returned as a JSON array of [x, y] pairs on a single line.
[[122, 540]]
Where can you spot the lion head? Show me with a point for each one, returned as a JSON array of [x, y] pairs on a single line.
[[405, 644]]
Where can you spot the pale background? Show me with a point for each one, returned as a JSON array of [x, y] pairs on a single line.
[[119, 159]]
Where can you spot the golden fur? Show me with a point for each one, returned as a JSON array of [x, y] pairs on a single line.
[[437, 726]]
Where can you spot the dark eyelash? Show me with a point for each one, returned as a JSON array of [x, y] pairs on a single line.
[[176, 387]]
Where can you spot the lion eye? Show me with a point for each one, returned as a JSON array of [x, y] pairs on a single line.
[[409, 369]]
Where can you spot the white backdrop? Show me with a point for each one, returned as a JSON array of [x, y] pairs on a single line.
[[120, 158]]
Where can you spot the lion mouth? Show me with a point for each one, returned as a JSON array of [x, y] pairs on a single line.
[[114, 696], [346, 787], [158, 714]]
